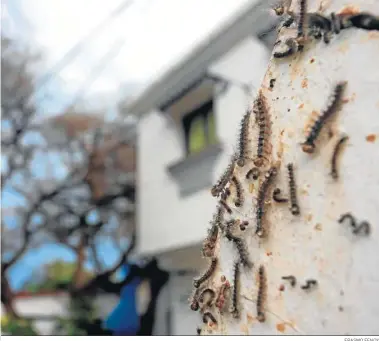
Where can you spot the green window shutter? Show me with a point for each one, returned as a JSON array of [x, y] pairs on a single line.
[[197, 140]]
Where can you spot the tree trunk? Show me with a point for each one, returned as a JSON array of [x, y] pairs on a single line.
[[7, 296], [334, 264]]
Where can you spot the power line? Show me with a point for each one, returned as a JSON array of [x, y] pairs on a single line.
[[73, 52], [15, 11], [96, 71], [70, 54]]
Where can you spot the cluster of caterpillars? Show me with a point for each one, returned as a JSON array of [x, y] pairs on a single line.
[[217, 296], [310, 25]]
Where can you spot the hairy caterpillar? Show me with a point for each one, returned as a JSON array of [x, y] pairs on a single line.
[[348, 216], [262, 118], [309, 284], [243, 139], [262, 288], [225, 177], [365, 226], [209, 316], [234, 308], [239, 192], [335, 99], [295, 209], [217, 224], [336, 151], [194, 302], [208, 273], [226, 206], [209, 243], [269, 177], [241, 248], [291, 279], [302, 18]]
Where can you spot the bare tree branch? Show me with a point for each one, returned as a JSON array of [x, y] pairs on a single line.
[[66, 177]]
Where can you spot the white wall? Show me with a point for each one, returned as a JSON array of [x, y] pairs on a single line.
[[173, 305], [183, 320], [165, 220]]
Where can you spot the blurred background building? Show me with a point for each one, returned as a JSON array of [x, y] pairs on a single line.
[[188, 120]]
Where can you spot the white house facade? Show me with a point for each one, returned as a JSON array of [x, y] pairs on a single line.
[[186, 133]]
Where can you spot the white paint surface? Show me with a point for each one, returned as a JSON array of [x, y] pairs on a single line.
[[314, 245]]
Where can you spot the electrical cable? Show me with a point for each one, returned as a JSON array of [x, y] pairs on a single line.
[[74, 51], [96, 71]]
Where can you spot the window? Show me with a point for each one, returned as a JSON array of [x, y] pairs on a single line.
[[199, 128]]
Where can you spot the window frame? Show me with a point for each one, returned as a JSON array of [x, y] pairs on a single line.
[[204, 110]]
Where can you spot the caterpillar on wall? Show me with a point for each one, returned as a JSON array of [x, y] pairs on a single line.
[[336, 151], [263, 120], [208, 316], [302, 19], [234, 310], [244, 139], [261, 298], [310, 283], [240, 246], [260, 210], [239, 192], [363, 226], [225, 178], [291, 279], [194, 300], [208, 273], [335, 99], [217, 224], [295, 209], [227, 208]]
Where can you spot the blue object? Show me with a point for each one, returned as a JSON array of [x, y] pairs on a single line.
[[124, 319]]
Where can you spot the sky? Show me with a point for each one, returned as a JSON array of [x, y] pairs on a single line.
[[150, 36]]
